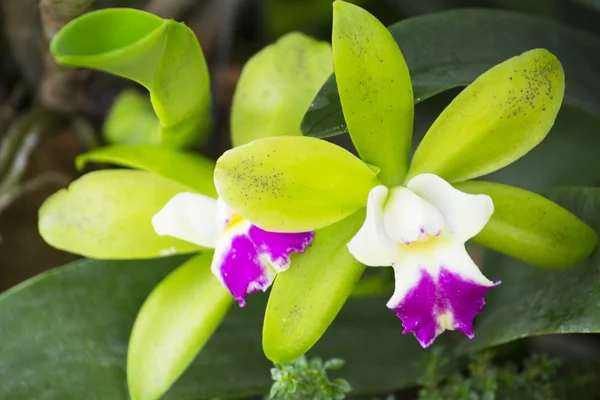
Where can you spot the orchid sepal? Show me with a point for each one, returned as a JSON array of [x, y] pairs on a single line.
[[375, 90], [531, 228], [494, 121], [293, 184]]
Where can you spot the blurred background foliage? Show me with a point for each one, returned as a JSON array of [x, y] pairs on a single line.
[[50, 114]]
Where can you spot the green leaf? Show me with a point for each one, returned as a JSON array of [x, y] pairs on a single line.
[[189, 169], [591, 4], [293, 184], [534, 301], [173, 325], [306, 298], [375, 90], [131, 120], [162, 55], [531, 228], [276, 86], [496, 120], [80, 317], [107, 214], [451, 49]]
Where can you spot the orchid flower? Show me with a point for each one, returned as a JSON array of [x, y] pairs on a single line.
[[420, 230], [419, 214], [246, 258]]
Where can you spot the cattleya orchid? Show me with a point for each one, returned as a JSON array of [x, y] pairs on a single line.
[[246, 258], [419, 214]]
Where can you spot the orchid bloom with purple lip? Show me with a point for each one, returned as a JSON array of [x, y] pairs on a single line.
[[420, 230], [246, 258]]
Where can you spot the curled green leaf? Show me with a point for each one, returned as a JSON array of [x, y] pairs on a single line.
[[107, 215], [496, 120], [293, 183], [162, 55], [531, 228], [189, 169], [173, 325], [375, 90], [276, 86], [306, 298]]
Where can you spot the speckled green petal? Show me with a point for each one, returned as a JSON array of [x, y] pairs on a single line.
[[293, 183], [375, 90], [532, 228], [107, 215], [276, 87], [306, 298], [173, 325], [496, 120]]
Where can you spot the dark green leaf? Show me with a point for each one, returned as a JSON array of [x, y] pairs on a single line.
[[535, 301], [591, 4], [568, 156], [451, 49], [64, 336]]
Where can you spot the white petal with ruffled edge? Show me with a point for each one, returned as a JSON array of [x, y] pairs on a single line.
[[465, 214], [190, 217]]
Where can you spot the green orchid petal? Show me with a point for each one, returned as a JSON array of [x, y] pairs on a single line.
[[276, 87], [496, 120], [306, 298], [107, 215], [189, 169], [131, 120], [293, 183], [162, 55], [375, 90], [531, 228], [173, 325]]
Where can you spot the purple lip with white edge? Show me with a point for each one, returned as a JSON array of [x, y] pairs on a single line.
[[435, 304], [248, 258]]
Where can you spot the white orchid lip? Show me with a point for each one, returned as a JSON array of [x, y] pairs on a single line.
[[420, 231], [246, 258]]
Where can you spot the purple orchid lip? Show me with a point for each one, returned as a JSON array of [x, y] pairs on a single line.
[[250, 260], [278, 246], [434, 305]]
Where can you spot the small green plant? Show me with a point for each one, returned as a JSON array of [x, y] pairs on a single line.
[[307, 379], [536, 379]]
